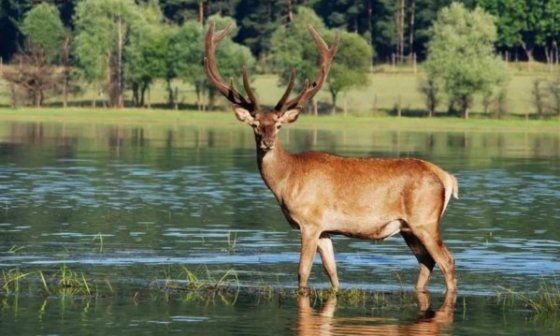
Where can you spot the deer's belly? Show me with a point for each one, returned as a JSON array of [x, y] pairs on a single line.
[[376, 231]]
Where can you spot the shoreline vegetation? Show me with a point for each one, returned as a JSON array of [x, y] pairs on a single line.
[[224, 119], [209, 287]]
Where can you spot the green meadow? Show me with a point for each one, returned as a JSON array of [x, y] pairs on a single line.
[[388, 86]]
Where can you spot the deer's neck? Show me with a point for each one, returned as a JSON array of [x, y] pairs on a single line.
[[275, 166]]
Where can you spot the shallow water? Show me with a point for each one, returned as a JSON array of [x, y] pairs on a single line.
[[134, 205]]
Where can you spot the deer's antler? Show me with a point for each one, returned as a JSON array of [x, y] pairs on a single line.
[[326, 56], [210, 66]]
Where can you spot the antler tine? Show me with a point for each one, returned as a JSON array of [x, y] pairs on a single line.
[[282, 102], [298, 99], [326, 56], [248, 89], [211, 69]]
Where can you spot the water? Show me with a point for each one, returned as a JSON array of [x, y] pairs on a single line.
[[132, 205]]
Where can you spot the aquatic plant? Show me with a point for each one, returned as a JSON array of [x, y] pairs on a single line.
[[11, 280], [15, 249], [231, 242], [545, 301], [98, 237]]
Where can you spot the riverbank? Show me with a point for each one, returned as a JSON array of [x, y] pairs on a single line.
[[141, 117]]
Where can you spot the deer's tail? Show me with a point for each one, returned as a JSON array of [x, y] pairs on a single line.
[[451, 188]]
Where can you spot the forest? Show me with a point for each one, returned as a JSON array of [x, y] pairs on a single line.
[[120, 45]]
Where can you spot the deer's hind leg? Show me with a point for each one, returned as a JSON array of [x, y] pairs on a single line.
[[429, 236], [424, 258]]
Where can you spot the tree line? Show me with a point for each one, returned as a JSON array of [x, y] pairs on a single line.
[[118, 45], [526, 29]]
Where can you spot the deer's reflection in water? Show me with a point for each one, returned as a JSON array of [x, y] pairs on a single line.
[[323, 322]]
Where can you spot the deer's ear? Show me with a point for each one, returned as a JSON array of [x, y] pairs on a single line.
[[243, 115], [290, 116]]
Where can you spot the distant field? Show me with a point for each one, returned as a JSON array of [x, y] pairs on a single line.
[[379, 98]]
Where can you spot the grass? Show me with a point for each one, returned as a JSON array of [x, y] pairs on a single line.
[[387, 86], [231, 242], [545, 301], [171, 118], [208, 286]]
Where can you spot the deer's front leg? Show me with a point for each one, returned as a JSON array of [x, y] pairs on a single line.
[[326, 251], [309, 241]]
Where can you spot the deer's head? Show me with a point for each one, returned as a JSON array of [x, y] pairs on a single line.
[[266, 122]]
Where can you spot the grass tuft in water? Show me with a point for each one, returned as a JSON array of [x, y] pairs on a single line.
[[231, 242], [98, 237], [73, 283], [15, 249], [545, 301], [11, 280]]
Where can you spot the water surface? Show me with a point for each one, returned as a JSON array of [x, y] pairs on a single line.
[[134, 205]]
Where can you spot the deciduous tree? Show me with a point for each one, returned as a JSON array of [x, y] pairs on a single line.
[[102, 29], [461, 55]]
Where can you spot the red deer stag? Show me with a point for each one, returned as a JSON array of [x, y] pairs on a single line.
[[323, 194]]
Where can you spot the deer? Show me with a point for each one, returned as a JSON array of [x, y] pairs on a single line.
[[323, 194]]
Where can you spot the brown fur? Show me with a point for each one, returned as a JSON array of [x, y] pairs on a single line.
[[369, 198]]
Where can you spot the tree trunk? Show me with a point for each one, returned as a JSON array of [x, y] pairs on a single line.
[[66, 71], [314, 105], [528, 51], [464, 105], [201, 12], [143, 93], [334, 95], [555, 47], [37, 99], [197, 90], [289, 10], [401, 30], [135, 94], [13, 95], [170, 95], [65, 89], [548, 54], [120, 36], [411, 33], [370, 23]]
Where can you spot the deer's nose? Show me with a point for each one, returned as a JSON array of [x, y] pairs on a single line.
[[267, 144]]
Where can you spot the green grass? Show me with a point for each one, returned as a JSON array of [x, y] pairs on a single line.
[[172, 118], [545, 301], [208, 286], [386, 87]]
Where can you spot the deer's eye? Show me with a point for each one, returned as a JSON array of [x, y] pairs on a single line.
[[278, 126]]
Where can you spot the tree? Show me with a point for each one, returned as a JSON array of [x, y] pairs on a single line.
[[33, 69], [461, 55], [350, 67], [181, 11], [351, 64], [525, 23], [185, 53], [32, 72], [258, 21], [188, 45], [293, 48], [102, 28], [43, 29], [430, 89], [145, 54]]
